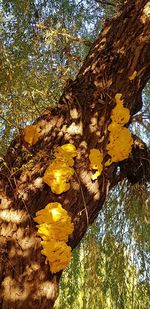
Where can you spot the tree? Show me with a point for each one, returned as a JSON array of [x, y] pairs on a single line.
[[118, 62]]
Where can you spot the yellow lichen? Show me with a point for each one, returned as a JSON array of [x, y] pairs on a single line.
[[60, 170], [54, 228], [96, 158], [120, 139], [31, 134], [132, 77]]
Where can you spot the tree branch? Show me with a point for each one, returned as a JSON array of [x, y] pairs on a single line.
[[137, 167]]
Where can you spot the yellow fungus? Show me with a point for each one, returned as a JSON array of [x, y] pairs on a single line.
[[53, 212], [31, 134], [132, 77], [118, 98], [120, 114], [57, 253], [54, 228], [120, 139], [55, 231], [120, 143], [95, 175], [96, 158], [68, 148], [58, 174]]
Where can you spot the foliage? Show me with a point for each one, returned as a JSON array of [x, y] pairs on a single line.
[[141, 122], [110, 268], [42, 46]]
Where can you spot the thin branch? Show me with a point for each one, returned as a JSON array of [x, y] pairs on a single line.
[[85, 206]]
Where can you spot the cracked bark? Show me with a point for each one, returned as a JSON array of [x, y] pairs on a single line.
[[81, 117]]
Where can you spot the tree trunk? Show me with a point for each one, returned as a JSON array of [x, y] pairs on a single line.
[[81, 117]]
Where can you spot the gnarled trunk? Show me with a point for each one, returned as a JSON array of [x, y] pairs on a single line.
[[81, 117]]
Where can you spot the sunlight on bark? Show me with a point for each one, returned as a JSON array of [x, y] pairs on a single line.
[[15, 216], [92, 187], [146, 13], [13, 292]]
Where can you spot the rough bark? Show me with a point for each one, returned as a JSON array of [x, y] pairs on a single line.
[[81, 117]]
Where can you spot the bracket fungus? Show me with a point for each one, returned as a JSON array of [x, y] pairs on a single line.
[[54, 227], [96, 158], [58, 173], [120, 139], [120, 114]]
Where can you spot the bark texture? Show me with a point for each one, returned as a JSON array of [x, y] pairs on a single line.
[[81, 117]]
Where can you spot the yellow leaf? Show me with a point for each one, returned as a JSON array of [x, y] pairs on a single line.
[[108, 162], [132, 77], [31, 134]]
